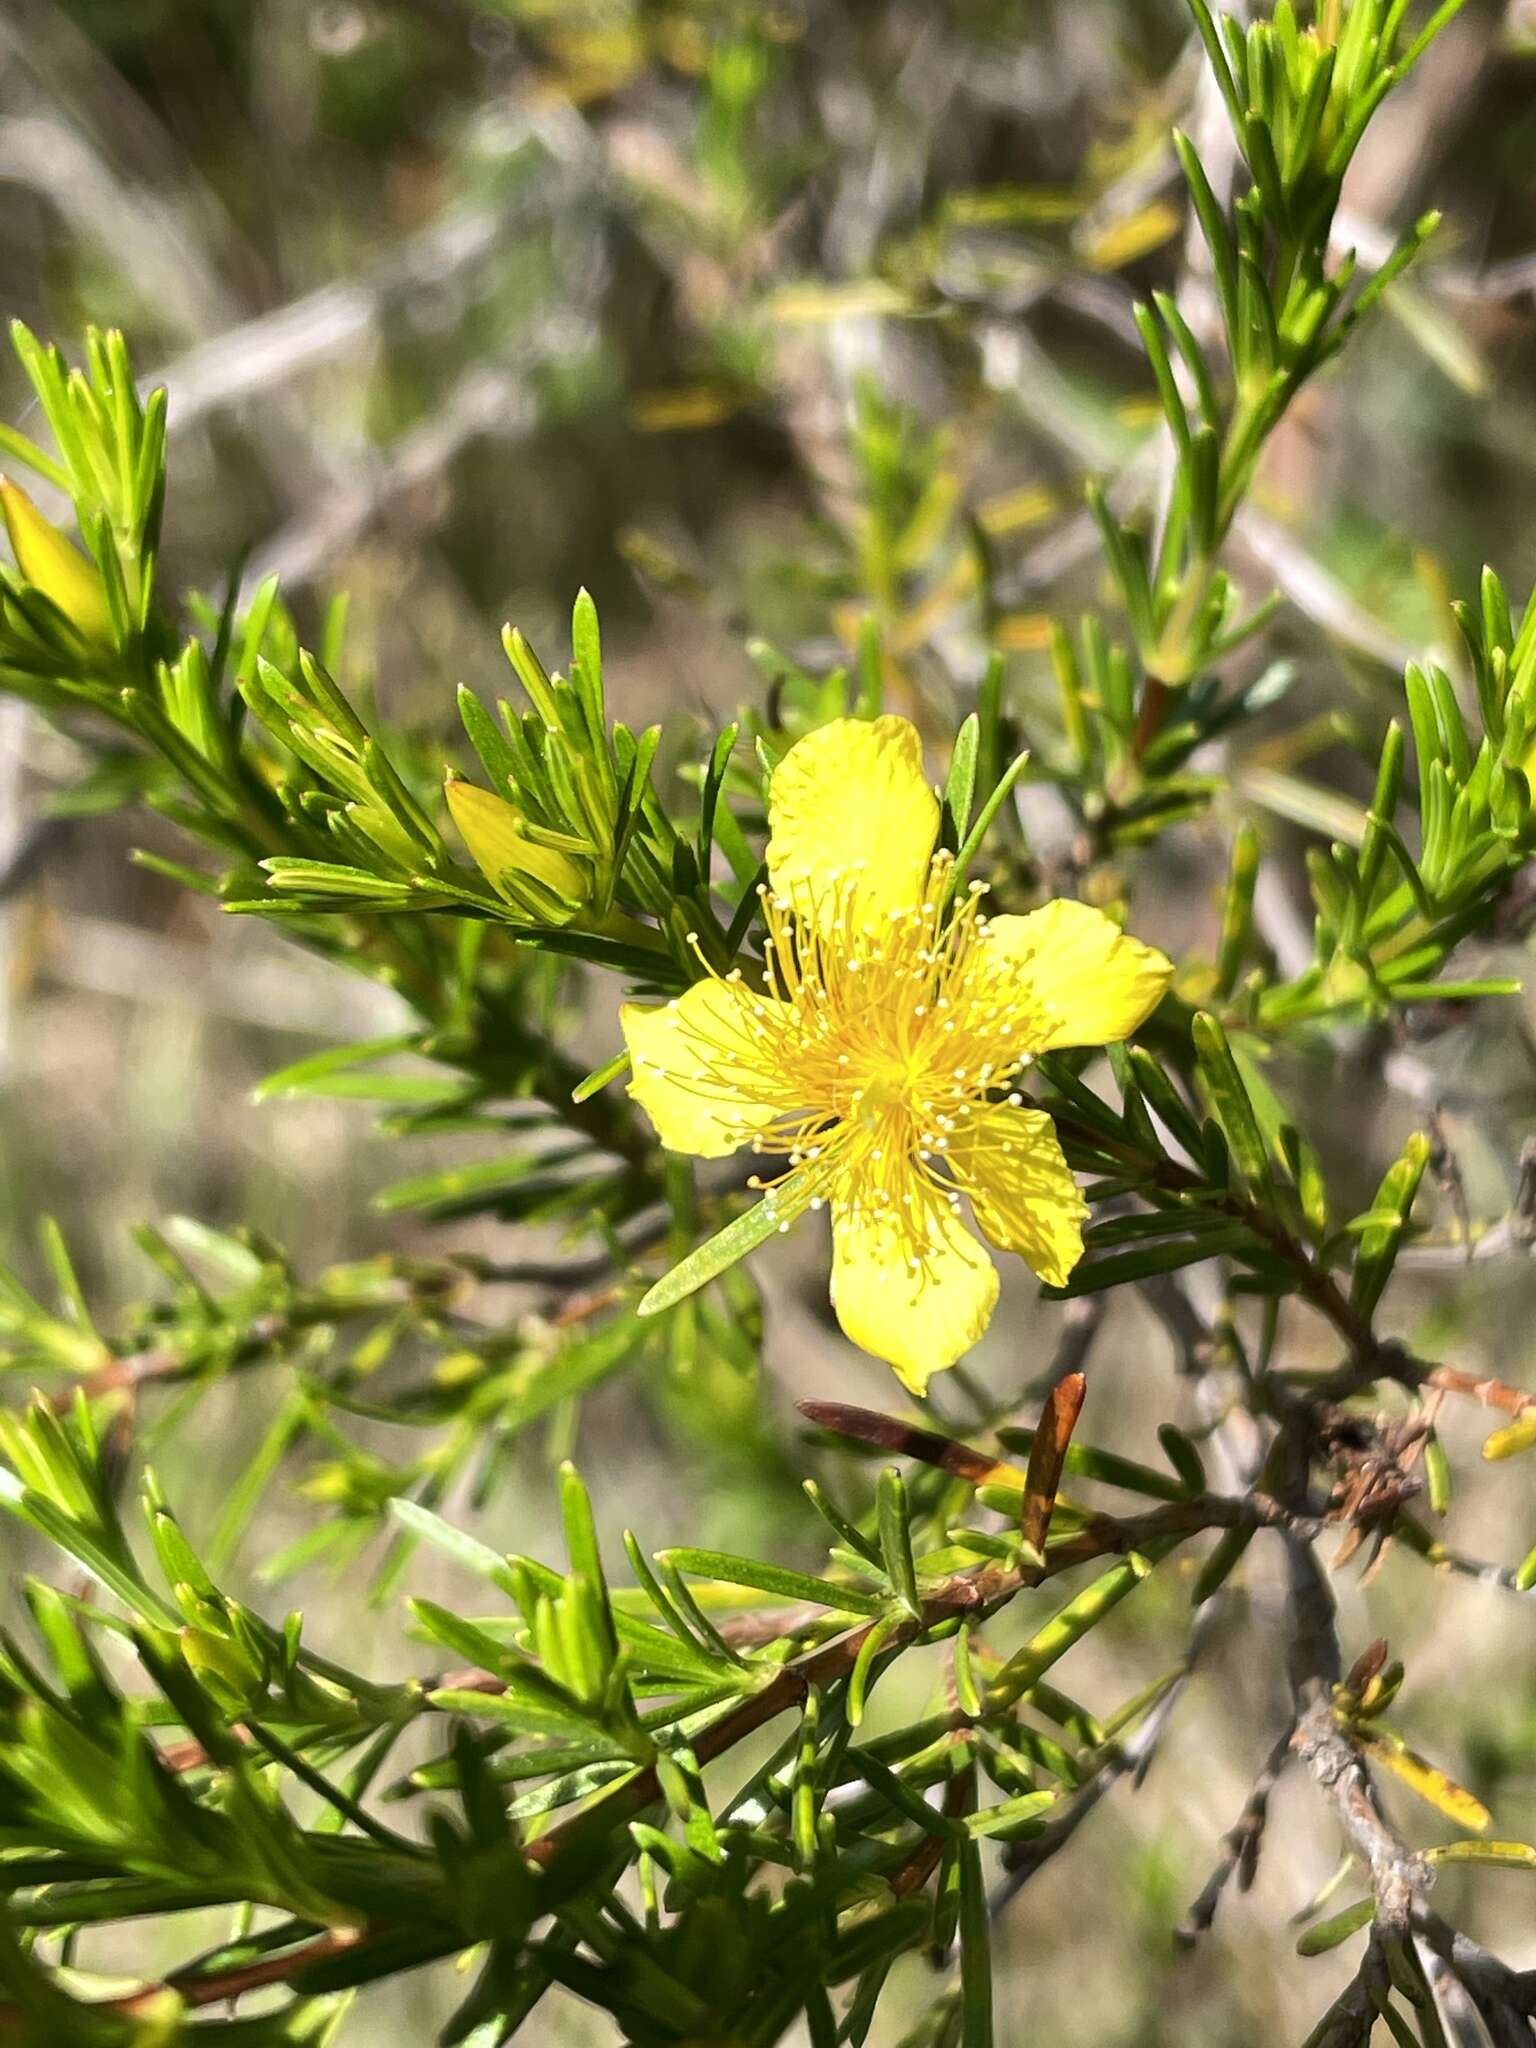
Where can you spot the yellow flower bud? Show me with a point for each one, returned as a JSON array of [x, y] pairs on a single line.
[[540, 881], [55, 566]]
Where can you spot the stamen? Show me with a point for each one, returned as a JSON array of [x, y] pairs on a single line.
[[874, 1041]]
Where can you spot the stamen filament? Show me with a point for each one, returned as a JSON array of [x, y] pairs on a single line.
[[873, 1048]]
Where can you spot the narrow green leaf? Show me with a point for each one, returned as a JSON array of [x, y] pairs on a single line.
[[671, 1652], [1067, 1626], [975, 1950], [1456, 991], [1093, 1274], [469, 1551], [863, 1667], [75, 1542], [771, 1578], [905, 1799], [476, 1184], [529, 1714], [967, 1692], [838, 1522], [971, 845], [1437, 1474], [1503, 1855], [62, 1267], [709, 806], [587, 661], [465, 1638], [895, 1539], [1379, 1246], [579, 1363], [1008, 1815], [580, 1529], [329, 878], [1183, 1456], [1330, 1933], [1230, 1100], [1218, 1566], [1237, 909], [654, 1591], [878, 1938], [775, 1212], [599, 1078], [496, 756], [960, 788]]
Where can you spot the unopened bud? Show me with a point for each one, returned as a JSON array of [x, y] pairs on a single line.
[[55, 566], [541, 882]]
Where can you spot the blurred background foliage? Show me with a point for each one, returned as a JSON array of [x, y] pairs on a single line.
[[755, 320]]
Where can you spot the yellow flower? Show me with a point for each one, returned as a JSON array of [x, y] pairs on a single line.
[[881, 1052]]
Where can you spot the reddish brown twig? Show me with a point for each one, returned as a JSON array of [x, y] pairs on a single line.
[[959, 1800], [233, 1983], [582, 1307], [1492, 1393], [1154, 702]]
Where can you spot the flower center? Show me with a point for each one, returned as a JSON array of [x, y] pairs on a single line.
[[874, 1041], [880, 1098]]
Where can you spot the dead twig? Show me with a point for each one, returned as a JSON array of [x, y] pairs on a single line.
[[1240, 1845]]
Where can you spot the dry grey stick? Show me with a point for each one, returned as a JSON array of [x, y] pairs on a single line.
[[1240, 1845], [1351, 2020], [1399, 1875], [256, 356]]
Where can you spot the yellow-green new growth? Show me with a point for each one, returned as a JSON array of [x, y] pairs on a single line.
[[53, 565], [542, 881]]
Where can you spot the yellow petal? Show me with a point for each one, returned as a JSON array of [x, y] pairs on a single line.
[[918, 1319], [1081, 979], [848, 805], [703, 1065], [1010, 1163]]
